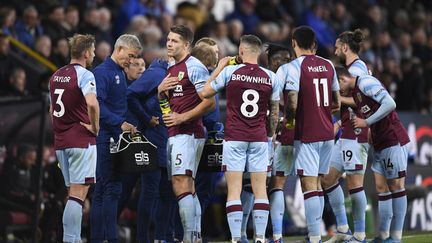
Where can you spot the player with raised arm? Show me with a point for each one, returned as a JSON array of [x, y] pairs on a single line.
[[350, 152], [186, 78], [390, 153], [313, 93], [250, 90], [75, 117]]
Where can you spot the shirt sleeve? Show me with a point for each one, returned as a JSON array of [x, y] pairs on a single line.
[[292, 76], [335, 83], [222, 79], [87, 83], [275, 86], [198, 75], [372, 88], [358, 69]]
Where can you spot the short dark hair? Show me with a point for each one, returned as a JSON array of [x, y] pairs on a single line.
[[185, 33], [305, 37], [353, 39], [342, 71], [251, 40], [273, 48], [205, 54], [80, 43]]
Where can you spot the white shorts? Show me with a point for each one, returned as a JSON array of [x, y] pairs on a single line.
[[283, 163], [313, 158], [245, 156], [184, 153], [391, 162], [78, 165], [349, 156]]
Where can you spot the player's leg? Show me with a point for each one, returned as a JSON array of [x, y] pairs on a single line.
[[81, 172], [257, 162], [247, 199], [146, 203], [199, 145], [395, 173], [128, 182], [283, 165], [182, 156], [359, 203], [385, 206], [233, 162], [165, 209]]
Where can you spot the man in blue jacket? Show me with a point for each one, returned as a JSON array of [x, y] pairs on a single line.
[[111, 90], [144, 111]]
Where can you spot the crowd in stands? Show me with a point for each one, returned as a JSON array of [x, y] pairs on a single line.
[[398, 47]]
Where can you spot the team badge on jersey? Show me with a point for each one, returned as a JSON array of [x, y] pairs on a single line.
[[359, 97], [180, 75], [365, 109], [117, 78]]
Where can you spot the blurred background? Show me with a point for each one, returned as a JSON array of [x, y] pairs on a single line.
[[33, 44]]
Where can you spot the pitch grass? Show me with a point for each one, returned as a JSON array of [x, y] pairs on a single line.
[[409, 237]]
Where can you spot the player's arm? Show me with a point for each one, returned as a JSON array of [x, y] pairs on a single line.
[[348, 101], [167, 84], [198, 111], [373, 89], [336, 101], [93, 112], [208, 91], [291, 106], [274, 118]]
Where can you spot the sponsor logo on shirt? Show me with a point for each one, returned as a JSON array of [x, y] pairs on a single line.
[[365, 109], [178, 91]]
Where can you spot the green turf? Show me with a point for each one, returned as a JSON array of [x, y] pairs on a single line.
[[409, 237]]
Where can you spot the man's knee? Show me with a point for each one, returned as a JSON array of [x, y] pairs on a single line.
[[181, 184], [309, 183]]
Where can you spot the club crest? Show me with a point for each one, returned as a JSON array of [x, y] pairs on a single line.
[[180, 75]]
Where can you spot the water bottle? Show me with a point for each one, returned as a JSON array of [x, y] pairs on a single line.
[[352, 116], [113, 146], [219, 135], [136, 138], [165, 106], [235, 60]]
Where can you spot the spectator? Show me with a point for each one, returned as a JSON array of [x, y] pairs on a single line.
[[235, 30], [220, 35], [6, 63], [7, 20], [53, 24], [42, 45], [17, 83], [245, 12], [60, 55], [29, 28], [104, 27], [103, 50], [71, 21]]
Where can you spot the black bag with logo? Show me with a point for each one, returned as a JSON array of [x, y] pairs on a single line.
[[134, 154], [211, 158]]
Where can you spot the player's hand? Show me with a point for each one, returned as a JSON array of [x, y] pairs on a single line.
[[290, 124], [358, 122], [90, 128], [127, 127], [223, 62], [167, 83], [173, 119], [154, 121]]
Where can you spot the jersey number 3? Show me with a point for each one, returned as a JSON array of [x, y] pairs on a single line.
[[249, 107], [317, 83], [59, 102]]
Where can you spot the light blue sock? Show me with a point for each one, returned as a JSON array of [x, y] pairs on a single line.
[[260, 217], [359, 203], [399, 201], [247, 199], [277, 208], [322, 201], [72, 217], [234, 215], [187, 214], [337, 202], [197, 214], [385, 213], [312, 210]]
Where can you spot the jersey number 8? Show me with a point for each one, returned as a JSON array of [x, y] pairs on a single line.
[[249, 108]]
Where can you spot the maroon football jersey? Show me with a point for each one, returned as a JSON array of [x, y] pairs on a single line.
[[70, 107], [314, 78], [192, 75], [388, 131]]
